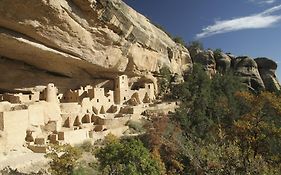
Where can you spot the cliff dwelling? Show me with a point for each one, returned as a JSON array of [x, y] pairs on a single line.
[[49, 117]]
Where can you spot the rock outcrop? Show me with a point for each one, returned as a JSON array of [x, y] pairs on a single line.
[[247, 69], [267, 69], [69, 40], [258, 74], [223, 62], [207, 59]]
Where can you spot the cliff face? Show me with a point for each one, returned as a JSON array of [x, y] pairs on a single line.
[[72, 42], [76, 42]]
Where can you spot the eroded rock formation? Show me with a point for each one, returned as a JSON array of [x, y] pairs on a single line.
[[69, 40], [223, 62], [258, 74], [247, 68], [267, 69], [207, 59]]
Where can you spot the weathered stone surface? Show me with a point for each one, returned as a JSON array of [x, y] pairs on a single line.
[[223, 62], [65, 41], [207, 59], [194, 51], [267, 69], [247, 68]]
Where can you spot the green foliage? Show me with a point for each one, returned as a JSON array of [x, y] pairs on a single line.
[[85, 170], [220, 128], [217, 52], [87, 146], [221, 159], [179, 40], [126, 157], [136, 126], [205, 102], [165, 80], [228, 130], [64, 159], [258, 130], [223, 104], [195, 96], [195, 45], [110, 138]]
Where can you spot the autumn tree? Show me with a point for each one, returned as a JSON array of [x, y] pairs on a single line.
[[164, 138], [64, 159], [258, 129]]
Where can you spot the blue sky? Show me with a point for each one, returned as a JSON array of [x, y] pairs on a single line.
[[242, 27]]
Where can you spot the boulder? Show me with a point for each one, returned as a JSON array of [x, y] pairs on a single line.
[[267, 69], [247, 69], [207, 59], [223, 62], [72, 43]]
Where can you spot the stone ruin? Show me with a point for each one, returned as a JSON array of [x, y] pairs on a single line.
[[47, 117]]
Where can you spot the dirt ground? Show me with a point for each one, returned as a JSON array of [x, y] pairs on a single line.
[[23, 160]]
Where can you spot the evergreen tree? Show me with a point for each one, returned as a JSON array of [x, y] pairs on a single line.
[[194, 94]]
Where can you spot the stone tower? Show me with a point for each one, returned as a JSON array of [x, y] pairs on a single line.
[[150, 90], [121, 89], [51, 93]]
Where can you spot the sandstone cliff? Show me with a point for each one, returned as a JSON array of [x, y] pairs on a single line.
[[73, 42]]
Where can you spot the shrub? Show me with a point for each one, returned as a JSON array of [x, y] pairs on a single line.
[[165, 80], [136, 125], [195, 45], [217, 52], [179, 40], [126, 157], [87, 146], [64, 159]]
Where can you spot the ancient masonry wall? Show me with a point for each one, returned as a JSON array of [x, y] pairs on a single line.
[[15, 125], [40, 118]]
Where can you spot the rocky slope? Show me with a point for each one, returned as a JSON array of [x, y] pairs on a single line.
[[73, 42]]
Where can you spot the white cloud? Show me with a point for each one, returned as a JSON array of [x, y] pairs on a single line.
[[263, 1], [271, 10], [264, 19]]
